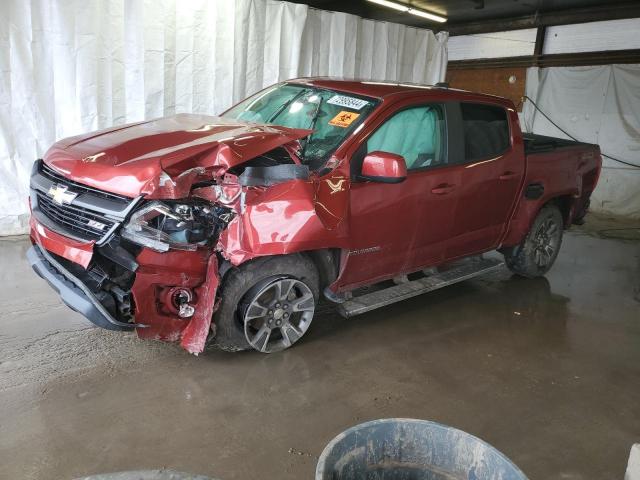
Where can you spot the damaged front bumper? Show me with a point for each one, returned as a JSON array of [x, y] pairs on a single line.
[[73, 292], [157, 279], [114, 283], [146, 303]]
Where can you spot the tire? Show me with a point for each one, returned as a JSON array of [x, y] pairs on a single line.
[[241, 285], [539, 250]]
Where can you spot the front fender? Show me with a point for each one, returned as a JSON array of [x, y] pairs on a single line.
[[283, 220]]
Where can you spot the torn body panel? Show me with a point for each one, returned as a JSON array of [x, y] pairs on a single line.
[[256, 230], [259, 229], [159, 275], [156, 275]]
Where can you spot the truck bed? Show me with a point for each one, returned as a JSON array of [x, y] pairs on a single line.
[[534, 143], [562, 170]]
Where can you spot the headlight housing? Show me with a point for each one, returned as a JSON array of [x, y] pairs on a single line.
[[161, 226]]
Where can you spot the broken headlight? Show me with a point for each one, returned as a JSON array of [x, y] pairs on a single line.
[[161, 226]]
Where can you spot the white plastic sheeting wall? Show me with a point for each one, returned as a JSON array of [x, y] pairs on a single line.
[[70, 66], [514, 43], [582, 37], [593, 36], [598, 105]]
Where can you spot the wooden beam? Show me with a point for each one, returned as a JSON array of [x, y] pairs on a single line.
[[540, 35], [557, 60], [609, 11]]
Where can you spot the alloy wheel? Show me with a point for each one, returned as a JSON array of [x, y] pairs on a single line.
[[545, 242], [277, 314]]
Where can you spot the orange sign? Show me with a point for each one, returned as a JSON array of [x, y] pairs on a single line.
[[343, 119]]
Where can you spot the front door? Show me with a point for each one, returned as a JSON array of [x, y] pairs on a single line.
[[400, 228]]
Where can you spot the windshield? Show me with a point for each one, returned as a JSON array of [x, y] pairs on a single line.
[[331, 115]]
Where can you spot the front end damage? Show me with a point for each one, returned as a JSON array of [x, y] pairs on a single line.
[[119, 284], [148, 256]]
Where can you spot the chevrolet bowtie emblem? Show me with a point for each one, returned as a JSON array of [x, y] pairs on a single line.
[[61, 195]]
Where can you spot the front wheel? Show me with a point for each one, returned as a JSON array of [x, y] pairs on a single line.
[[539, 250], [267, 304]]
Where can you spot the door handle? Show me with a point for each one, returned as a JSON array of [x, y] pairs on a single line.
[[508, 175], [443, 189]]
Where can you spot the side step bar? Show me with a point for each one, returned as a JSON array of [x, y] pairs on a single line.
[[471, 267]]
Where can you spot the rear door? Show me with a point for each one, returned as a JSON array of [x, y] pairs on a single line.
[[491, 174]]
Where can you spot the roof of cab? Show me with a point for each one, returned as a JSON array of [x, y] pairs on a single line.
[[381, 90]]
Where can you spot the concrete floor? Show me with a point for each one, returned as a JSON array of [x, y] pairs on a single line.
[[546, 370]]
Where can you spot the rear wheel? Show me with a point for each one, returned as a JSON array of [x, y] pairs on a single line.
[[539, 250], [267, 304]]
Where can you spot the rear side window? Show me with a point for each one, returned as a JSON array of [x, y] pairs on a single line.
[[486, 131]]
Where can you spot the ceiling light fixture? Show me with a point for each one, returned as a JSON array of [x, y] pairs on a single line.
[[408, 9], [430, 16], [394, 5]]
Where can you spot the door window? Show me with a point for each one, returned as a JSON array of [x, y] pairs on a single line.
[[486, 131], [417, 133]]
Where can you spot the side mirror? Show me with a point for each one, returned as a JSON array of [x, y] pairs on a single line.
[[384, 167]]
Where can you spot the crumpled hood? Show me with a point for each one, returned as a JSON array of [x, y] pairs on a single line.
[[161, 158]]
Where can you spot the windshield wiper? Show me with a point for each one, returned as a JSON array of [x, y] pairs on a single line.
[[311, 127], [285, 105]]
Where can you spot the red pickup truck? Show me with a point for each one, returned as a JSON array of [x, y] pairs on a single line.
[[229, 229]]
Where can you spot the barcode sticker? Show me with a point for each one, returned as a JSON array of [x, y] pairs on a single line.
[[349, 102]]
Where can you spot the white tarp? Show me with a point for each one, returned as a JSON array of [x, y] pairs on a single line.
[[512, 43], [68, 67], [600, 105]]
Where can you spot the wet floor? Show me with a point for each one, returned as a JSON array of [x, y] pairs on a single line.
[[546, 370]]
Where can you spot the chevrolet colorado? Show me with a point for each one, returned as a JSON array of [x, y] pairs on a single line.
[[228, 229]]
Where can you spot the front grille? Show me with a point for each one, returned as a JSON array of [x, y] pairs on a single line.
[[92, 214], [48, 172], [77, 219]]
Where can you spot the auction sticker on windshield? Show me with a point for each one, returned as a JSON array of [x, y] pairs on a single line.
[[349, 102], [343, 119]]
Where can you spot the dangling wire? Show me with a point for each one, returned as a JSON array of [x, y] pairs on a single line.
[[571, 136]]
